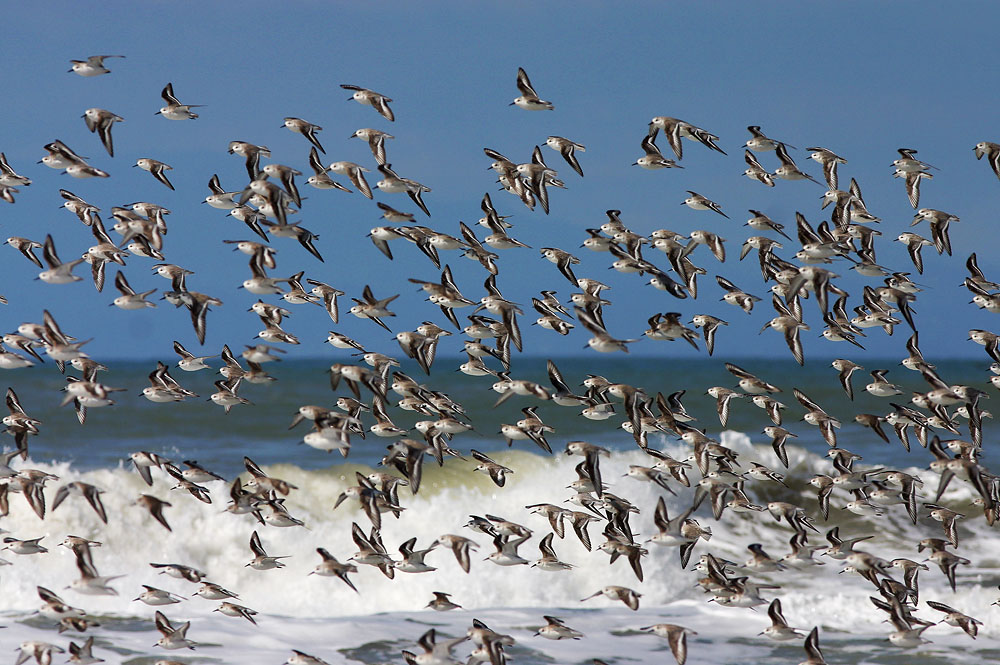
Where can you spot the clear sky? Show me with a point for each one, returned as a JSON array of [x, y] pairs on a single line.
[[860, 78]]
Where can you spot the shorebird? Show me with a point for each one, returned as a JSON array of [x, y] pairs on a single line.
[[330, 567], [307, 129], [676, 129], [92, 66], [261, 560], [529, 99], [174, 110], [779, 629], [676, 637], [371, 98], [173, 637], [100, 122], [556, 629], [698, 202], [624, 594]]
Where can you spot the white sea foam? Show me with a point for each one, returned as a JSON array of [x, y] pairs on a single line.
[[294, 605]]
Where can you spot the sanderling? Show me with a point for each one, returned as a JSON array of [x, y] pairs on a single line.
[[174, 110]]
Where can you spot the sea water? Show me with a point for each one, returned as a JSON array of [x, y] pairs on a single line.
[[322, 616]]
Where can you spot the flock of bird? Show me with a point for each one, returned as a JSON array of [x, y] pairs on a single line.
[[365, 392]]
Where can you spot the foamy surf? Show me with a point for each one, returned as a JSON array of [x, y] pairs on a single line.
[[389, 614]]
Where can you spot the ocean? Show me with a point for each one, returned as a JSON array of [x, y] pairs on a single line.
[[323, 617]]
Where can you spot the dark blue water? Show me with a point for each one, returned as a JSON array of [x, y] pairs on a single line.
[[198, 429]]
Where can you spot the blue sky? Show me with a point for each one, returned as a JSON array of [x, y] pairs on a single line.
[[862, 79]]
